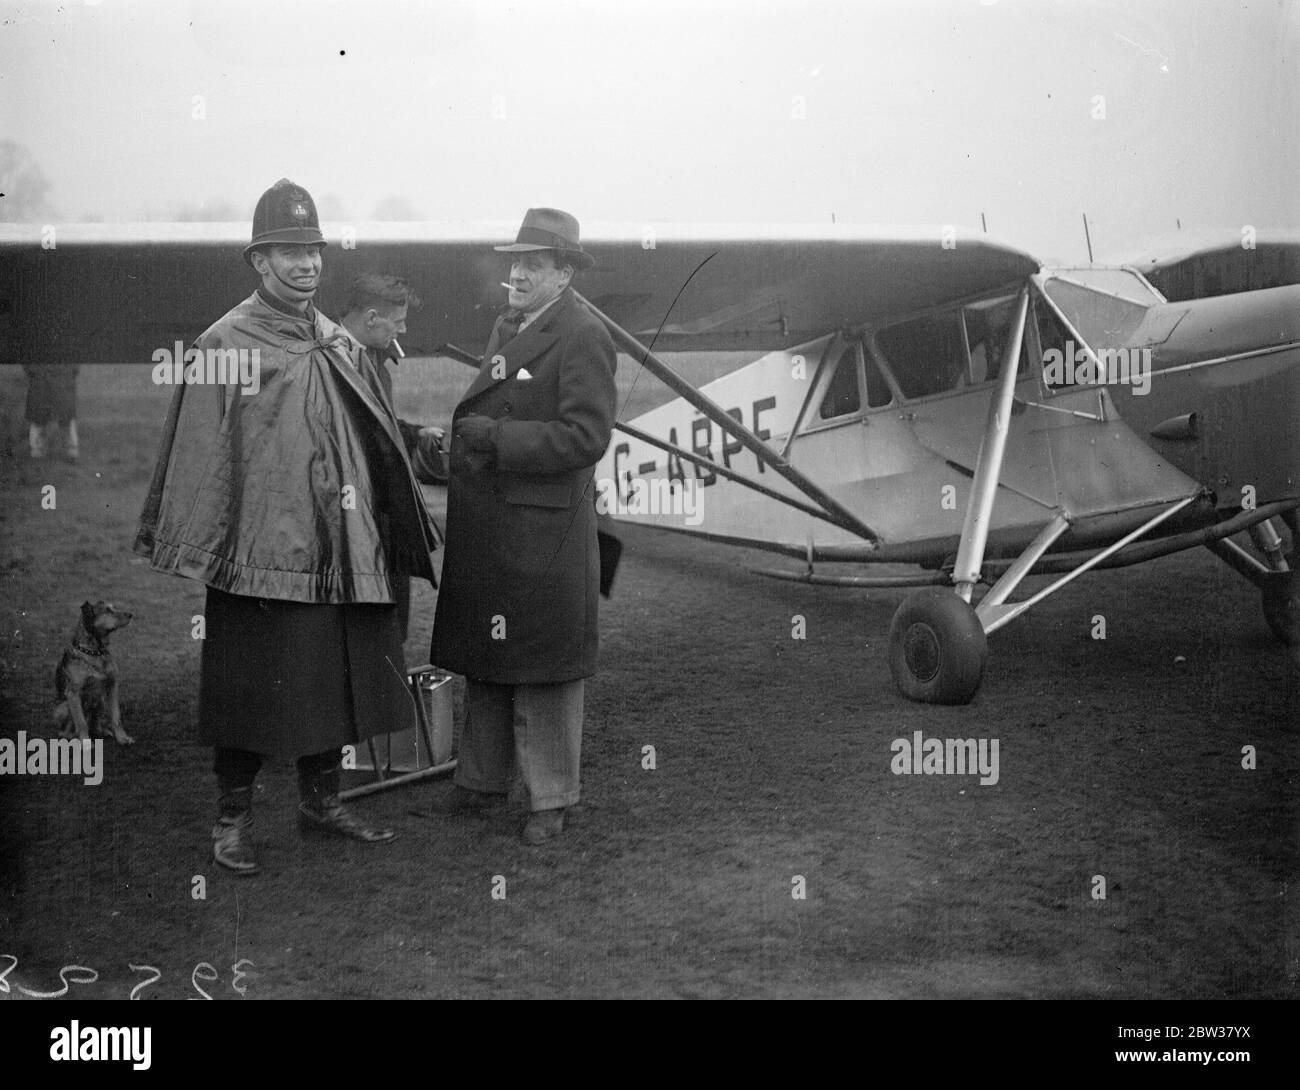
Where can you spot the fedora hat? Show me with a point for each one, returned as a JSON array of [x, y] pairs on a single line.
[[550, 229], [285, 213]]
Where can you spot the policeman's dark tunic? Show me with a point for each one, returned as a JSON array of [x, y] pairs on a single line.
[[290, 678]]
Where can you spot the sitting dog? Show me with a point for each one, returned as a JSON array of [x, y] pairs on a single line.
[[86, 679]]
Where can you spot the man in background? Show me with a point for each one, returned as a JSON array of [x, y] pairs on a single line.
[[375, 315], [52, 400]]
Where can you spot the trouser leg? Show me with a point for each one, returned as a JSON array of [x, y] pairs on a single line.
[[402, 599], [486, 759], [548, 742], [36, 440], [315, 768], [235, 768]]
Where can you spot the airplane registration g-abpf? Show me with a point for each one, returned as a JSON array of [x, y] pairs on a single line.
[[927, 398]]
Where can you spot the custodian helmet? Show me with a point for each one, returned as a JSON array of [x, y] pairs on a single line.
[[285, 213]]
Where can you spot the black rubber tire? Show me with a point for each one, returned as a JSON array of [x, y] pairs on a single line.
[[1281, 600], [937, 648]]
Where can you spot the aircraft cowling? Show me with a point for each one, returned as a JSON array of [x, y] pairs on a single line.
[[1233, 364]]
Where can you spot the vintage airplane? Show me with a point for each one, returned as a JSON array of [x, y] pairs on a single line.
[[928, 398]]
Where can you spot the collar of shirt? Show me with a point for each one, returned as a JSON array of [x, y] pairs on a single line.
[[368, 363], [532, 316], [355, 348], [309, 315]]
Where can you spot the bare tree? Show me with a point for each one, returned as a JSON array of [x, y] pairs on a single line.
[[210, 211], [24, 186], [395, 208], [331, 208]]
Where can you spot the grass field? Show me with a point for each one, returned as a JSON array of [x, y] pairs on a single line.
[[1119, 758]]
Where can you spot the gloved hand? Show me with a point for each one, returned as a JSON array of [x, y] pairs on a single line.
[[478, 433], [427, 459]]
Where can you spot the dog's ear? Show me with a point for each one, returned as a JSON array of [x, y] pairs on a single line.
[[88, 616]]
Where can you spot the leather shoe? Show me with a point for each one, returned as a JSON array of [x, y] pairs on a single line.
[[232, 844], [460, 801], [232, 836], [331, 816], [322, 811], [543, 825]]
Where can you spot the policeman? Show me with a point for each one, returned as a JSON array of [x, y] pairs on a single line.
[[285, 505]]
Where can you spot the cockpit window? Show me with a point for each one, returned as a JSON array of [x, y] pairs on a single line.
[[1105, 311], [1065, 362], [878, 392], [926, 355], [1124, 283], [988, 329], [842, 395]]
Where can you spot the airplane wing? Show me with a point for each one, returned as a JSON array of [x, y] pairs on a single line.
[[1200, 265], [91, 293]]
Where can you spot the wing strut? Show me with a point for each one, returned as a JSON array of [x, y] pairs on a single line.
[[721, 471], [835, 512], [460, 355], [988, 468]]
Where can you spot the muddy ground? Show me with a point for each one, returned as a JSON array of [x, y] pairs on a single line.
[[1119, 758]]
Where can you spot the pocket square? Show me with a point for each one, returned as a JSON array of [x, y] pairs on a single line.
[[522, 374]]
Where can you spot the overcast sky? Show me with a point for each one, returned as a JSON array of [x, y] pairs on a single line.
[[1140, 114]]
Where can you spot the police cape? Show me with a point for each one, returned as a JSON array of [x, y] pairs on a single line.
[[301, 491]]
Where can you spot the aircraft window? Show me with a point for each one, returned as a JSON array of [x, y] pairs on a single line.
[[1122, 282], [842, 396], [1058, 348], [878, 391], [988, 328], [1102, 320], [926, 355]]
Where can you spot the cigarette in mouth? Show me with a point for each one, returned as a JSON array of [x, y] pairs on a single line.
[[508, 287], [397, 349]]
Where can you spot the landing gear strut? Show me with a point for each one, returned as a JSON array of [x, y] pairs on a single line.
[[1278, 581], [1280, 594]]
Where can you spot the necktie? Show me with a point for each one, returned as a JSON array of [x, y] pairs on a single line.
[[510, 321]]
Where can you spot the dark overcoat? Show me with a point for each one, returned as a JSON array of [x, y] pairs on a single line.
[[521, 569]]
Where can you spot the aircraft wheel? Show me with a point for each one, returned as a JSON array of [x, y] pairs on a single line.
[[937, 648], [1281, 598]]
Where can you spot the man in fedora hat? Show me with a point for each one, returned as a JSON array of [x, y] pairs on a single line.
[[517, 610], [296, 506]]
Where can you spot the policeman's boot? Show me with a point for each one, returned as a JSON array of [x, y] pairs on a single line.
[[321, 810], [232, 838]]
